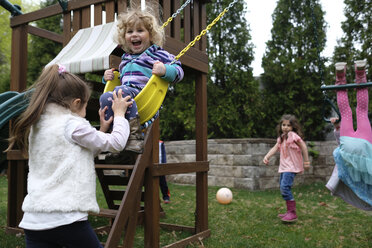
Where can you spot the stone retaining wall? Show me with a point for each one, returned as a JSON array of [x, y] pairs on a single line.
[[237, 163]]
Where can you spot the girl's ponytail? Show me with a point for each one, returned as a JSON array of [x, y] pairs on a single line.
[[53, 85]]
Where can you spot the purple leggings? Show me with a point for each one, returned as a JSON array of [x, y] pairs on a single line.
[[106, 100], [363, 126]]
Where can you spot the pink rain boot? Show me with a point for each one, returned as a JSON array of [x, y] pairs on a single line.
[[291, 212], [340, 73], [360, 71], [282, 215]]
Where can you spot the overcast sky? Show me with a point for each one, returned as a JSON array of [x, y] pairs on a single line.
[[259, 17]]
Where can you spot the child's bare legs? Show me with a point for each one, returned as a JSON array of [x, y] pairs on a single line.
[[346, 127], [364, 130]]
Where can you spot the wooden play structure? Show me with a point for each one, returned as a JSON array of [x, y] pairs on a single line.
[[138, 201]]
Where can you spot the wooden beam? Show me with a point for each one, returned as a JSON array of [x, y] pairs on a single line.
[[97, 14], [36, 15], [17, 189], [187, 24], [114, 61], [166, 15], [85, 17], [152, 204], [175, 227], [201, 116], [122, 6], [76, 22], [66, 28], [83, 3], [45, 34], [193, 58], [196, 22], [203, 23], [179, 168], [18, 75], [15, 155], [113, 166], [14, 230], [50, 11], [131, 195], [194, 238], [201, 218], [110, 11], [176, 27]]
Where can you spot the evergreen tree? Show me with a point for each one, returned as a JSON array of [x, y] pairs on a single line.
[[177, 116], [293, 68], [233, 96], [41, 50]]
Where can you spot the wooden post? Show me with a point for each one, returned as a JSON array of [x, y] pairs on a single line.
[[152, 205], [17, 169], [18, 75], [17, 188], [201, 152]]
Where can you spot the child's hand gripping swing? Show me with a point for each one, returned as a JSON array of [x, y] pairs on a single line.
[[149, 99]]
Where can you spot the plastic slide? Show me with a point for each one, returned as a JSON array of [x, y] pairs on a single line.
[[12, 104]]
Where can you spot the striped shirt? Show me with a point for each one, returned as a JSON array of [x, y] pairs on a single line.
[[136, 69]]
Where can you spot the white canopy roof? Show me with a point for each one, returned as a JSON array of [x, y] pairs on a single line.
[[88, 50]]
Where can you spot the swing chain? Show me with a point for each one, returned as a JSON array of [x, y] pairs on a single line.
[[197, 38], [175, 14]]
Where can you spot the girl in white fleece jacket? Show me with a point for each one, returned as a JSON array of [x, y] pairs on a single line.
[[61, 146]]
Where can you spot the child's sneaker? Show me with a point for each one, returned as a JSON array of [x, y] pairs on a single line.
[[360, 64], [340, 73], [360, 71], [166, 199]]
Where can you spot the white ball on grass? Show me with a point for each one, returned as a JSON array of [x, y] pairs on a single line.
[[224, 196]]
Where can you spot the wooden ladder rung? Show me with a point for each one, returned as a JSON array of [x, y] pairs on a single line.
[[114, 167], [107, 213]]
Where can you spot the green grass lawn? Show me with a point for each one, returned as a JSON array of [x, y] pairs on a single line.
[[250, 220]]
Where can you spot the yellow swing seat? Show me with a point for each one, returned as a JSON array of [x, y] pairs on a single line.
[[149, 99]]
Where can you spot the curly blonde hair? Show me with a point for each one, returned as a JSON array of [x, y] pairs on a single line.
[[134, 16]]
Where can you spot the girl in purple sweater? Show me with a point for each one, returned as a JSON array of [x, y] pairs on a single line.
[[141, 37]]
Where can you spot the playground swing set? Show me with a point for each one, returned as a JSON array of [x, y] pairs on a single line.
[[145, 170]]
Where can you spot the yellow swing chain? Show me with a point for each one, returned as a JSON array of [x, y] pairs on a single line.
[[192, 43]]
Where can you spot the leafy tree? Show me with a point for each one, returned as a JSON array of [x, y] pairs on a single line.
[[41, 50], [177, 117], [233, 95], [233, 98], [292, 68]]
